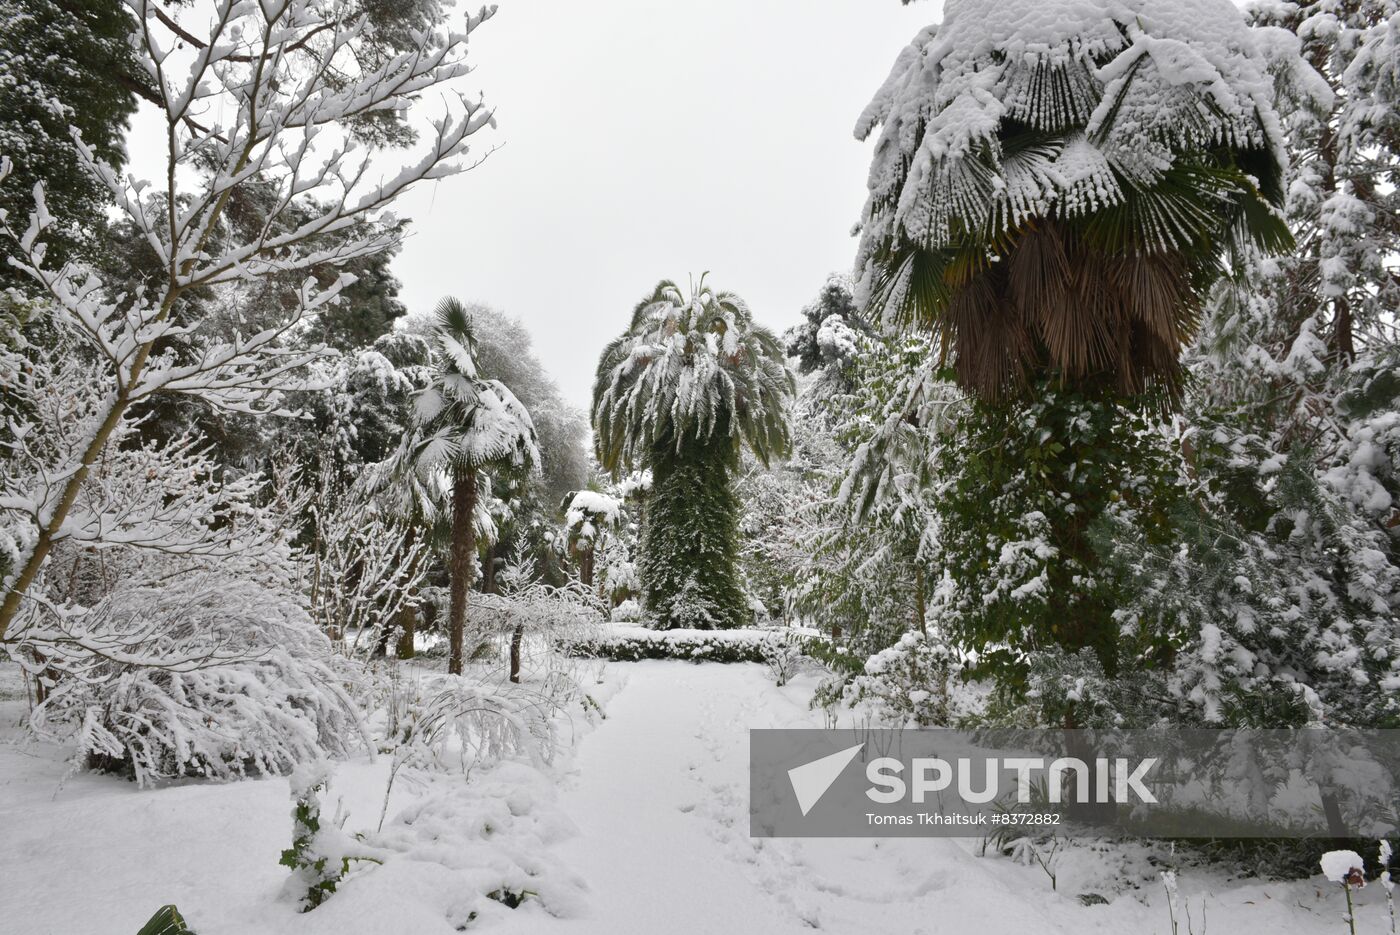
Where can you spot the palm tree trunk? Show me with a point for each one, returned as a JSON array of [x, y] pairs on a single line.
[[408, 612], [460, 564], [585, 567]]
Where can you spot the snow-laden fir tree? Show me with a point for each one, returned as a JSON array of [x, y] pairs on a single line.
[[1053, 188], [58, 62], [825, 341], [690, 382], [1280, 591]]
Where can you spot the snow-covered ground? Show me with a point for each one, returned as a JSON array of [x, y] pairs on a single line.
[[643, 830]]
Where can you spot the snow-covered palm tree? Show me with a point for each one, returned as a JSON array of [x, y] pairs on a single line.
[[689, 383], [1056, 186], [463, 424], [1056, 182]]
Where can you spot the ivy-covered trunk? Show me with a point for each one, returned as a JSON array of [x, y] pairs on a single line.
[[689, 568], [1029, 487], [460, 564]]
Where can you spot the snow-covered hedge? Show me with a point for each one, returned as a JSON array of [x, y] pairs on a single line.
[[627, 643]]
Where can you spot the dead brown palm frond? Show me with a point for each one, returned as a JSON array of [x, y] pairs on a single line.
[[994, 345]]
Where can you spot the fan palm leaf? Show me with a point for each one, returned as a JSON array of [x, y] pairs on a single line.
[[1058, 202], [690, 368]]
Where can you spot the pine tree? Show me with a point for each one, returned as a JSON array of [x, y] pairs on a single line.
[[825, 338], [57, 66]]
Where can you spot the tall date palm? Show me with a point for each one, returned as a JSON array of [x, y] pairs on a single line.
[[690, 383]]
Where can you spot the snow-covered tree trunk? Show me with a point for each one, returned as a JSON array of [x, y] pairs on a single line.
[[463, 556]]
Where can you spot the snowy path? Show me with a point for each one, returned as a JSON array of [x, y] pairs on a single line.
[[660, 797]]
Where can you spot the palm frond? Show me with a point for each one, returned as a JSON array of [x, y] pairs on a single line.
[[690, 368], [1062, 210]]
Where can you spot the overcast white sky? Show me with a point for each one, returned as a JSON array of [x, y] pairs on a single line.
[[644, 140]]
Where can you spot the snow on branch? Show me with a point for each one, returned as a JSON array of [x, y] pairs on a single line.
[[259, 104]]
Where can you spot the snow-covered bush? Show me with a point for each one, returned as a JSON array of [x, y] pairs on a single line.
[[364, 569], [483, 848], [206, 673], [826, 341], [785, 655], [320, 855], [907, 684], [629, 611], [169, 634], [457, 724], [1386, 853]]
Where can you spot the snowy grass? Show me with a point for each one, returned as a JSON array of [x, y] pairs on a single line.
[[642, 828], [464, 835]]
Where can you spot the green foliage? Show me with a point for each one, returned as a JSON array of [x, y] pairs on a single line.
[[634, 646], [60, 64], [862, 575], [908, 683], [814, 349], [319, 872], [690, 369], [511, 899], [1022, 488], [688, 564], [166, 921]]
